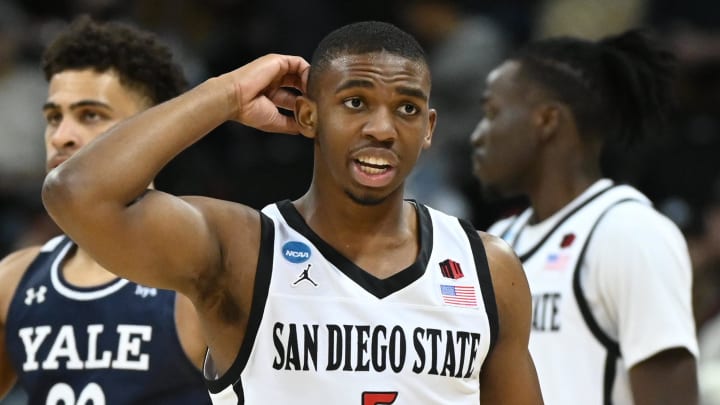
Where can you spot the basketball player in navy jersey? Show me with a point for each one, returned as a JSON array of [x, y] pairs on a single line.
[[349, 294], [610, 276], [70, 331]]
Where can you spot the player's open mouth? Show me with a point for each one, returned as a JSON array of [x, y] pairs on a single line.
[[373, 171], [373, 165]]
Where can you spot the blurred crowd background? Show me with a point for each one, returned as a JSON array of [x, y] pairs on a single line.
[[679, 169]]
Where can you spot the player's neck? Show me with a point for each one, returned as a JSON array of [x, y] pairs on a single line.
[[81, 270], [340, 212], [343, 222], [382, 240], [554, 194]]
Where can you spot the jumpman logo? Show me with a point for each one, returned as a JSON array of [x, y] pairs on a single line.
[[305, 275], [32, 295]]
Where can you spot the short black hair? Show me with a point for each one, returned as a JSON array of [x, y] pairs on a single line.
[[618, 87], [360, 38], [140, 60]]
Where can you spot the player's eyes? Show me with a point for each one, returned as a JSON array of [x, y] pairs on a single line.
[[53, 118], [354, 103], [91, 116], [408, 109]]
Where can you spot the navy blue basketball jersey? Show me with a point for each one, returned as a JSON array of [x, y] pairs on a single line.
[[111, 344]]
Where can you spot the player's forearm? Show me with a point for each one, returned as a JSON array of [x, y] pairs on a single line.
[[118, 166]]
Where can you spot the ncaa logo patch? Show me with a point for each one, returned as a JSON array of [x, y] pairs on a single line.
[[296, 252]]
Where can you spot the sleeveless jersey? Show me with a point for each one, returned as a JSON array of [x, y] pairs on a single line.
[[111, 344], [566, 342], [324, 331]]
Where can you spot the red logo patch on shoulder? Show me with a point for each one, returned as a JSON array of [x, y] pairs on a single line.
[[451, 269], [567, 240]]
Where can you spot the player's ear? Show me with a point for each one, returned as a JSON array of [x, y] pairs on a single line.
[[306, 116], [547, 119], [432, 120]]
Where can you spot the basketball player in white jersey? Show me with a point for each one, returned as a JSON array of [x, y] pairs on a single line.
[[610, 276], [71, 332], [349, 294]]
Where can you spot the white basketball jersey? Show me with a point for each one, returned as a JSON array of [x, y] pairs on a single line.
[[566, 343], [324, 331]]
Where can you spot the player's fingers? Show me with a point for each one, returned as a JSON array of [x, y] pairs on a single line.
[[273, 70], [283, 98], [262, 113], [295, 81], [282, 124]]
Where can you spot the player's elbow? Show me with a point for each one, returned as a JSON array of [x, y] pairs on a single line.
[[62, 194]]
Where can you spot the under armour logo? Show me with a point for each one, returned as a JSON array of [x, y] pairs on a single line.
[[38, 295], [305, 275], [145, 291]]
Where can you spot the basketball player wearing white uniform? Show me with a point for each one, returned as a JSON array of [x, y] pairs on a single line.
[[347, 295], [586, 305], [334, 333], [610, 277]]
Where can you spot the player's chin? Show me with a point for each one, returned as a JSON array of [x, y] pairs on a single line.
[[366, 198]]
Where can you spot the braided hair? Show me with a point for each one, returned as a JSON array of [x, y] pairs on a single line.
[[618, 87]]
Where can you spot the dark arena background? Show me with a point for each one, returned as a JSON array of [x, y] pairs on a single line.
[[678, 169]]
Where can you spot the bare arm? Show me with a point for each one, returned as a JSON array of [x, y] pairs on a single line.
[[99, 196], [12, 269], [667, 378], [508, 376]]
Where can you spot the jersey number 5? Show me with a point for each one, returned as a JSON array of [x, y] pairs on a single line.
[[378, 398]]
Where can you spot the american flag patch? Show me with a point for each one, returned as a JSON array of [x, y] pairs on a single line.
[[461, 295], [557, 261]]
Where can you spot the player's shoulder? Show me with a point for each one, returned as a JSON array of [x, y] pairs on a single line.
[[505, 266], [635, 218], [12, 268], [510, 285], [497, 248], [19, 260]]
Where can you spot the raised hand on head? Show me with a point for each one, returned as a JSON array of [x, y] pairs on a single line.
[[265, 84]]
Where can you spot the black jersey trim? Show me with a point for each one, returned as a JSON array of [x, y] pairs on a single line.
[[525, 256], [263, 274], [380, 288], [485, 280], [612, 347]]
